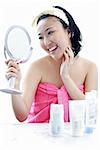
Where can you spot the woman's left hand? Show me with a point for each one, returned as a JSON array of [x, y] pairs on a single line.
[[67, 62]]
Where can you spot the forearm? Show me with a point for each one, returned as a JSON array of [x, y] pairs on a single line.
[[18, 102], [19, 107], [72, 89]]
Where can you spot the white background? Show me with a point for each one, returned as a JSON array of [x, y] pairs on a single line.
[[22, 12]]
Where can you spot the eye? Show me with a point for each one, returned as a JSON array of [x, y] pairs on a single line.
[[50, 32], [40, 38]]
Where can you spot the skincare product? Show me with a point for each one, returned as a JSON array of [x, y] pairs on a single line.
[[77, 114], [91, 111], [56, 124]]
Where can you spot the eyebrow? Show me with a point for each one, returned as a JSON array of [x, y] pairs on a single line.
[[46, 30]]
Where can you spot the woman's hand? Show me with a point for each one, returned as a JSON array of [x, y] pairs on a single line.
[[13, 70], [67, 62]]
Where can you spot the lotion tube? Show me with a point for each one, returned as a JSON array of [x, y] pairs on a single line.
[[91, 111], [77, 114]]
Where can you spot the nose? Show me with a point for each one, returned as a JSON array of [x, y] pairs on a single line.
[[47, 42]]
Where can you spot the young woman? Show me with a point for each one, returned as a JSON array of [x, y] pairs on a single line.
[[60, 76]]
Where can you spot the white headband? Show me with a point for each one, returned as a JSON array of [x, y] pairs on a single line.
[[53, 11]]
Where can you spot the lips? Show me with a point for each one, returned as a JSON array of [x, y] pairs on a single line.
[[52, 49]]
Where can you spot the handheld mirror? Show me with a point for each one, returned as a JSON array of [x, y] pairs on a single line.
[[17, 47]]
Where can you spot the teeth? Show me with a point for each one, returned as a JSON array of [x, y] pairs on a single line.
[[51, 49]]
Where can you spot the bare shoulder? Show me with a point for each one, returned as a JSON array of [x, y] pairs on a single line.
[[38, 65], [91, 78], [34, 72], [88, 64], [40, 62]]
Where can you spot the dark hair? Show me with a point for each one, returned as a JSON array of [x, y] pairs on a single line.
[[76, 36]]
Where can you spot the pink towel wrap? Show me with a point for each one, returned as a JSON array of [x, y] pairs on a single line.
[[48, 93]]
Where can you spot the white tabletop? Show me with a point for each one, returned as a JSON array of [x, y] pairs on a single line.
[[36, 136]]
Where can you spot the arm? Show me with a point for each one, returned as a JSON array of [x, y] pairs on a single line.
[[73, 90], [91, 80], [70, 85], [22, 103]]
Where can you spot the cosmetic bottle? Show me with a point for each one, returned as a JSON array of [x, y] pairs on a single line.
[[56, 123], [77, 114], [91, 111]]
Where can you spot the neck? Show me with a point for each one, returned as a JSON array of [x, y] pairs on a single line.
[[56, 62]]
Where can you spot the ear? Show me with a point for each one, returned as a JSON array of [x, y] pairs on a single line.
[[68, 32]]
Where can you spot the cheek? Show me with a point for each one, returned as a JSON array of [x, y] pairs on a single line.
[[61, 38], [43, 46], [62, 44], [65, 41]]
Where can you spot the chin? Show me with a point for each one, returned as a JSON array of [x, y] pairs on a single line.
[[55, 57]]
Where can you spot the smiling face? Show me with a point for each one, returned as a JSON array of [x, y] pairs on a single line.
[[54, 39]]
